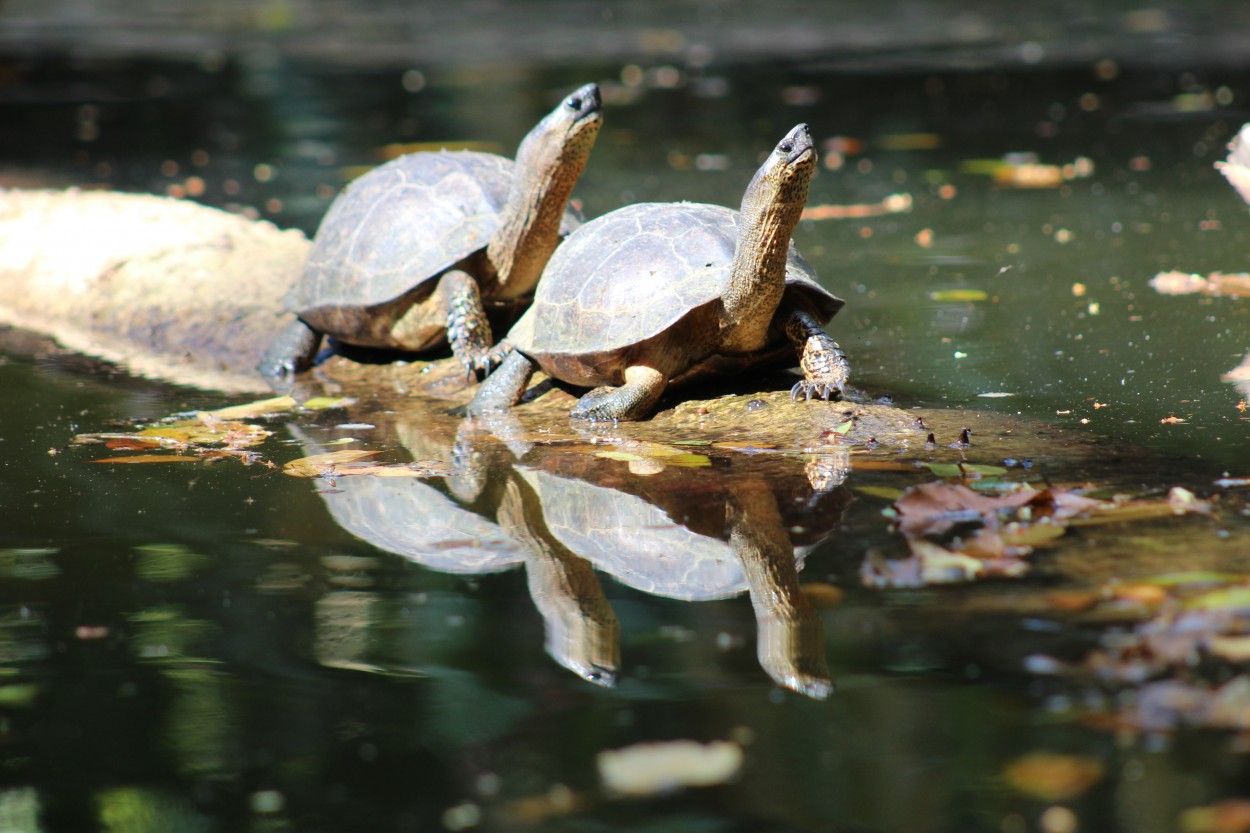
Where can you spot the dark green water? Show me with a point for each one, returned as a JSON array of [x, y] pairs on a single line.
[[206, 648]]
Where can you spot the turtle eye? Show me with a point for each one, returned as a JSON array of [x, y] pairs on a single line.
[[575, 103], [786, 147]]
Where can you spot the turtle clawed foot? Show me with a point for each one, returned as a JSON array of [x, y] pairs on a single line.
[[821, 389], [480, 366]]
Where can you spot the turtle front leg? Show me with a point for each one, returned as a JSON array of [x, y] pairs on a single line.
[[468, 330], [292, 350], [633, 400], [503, 388], [825, 367]]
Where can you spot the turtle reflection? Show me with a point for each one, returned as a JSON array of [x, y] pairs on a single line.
[[563, 512], [441, 530]]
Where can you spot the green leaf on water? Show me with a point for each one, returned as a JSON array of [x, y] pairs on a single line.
[[844, 428], [964, 469], [883, 492], [1228, 598], [1192, 577], [959, 295], [322, 403]]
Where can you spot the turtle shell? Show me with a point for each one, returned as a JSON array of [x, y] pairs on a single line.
[[393, 230], [634, 273]]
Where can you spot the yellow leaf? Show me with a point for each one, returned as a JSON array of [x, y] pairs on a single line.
[[253, 409], [316, 464]]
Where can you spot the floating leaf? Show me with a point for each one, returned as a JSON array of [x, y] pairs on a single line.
[[844, 428], [1053, 777], [654, 451], [860, 464], [323, 403], [1229, 598], [822, 594], [658, 768], [1193, 577], [316, 464], [962, 295], [206, 430], [1229, 816], [964, 469], [151, 458], [1232, 648], [744, 445], [131, 444], [261, 407], [691, 442], [885, 492], [893, 204]]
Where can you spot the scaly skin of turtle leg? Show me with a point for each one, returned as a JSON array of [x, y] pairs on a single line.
[[291, 351], [503, 388], [633, 400], [468, 331], [825, 367]]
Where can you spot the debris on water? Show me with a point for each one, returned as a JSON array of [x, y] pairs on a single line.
[[1236, 168], [957, 534], [1053, 776], [1228, 816], [893, 204], [1025, 170], [151, 458], [1233, 284], [664, 767]]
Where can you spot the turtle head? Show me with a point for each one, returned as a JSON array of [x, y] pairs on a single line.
[[561, 142], [771, 208], [549, 162], [783, 178]]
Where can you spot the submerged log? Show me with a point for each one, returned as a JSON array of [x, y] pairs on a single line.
[[182, 293]]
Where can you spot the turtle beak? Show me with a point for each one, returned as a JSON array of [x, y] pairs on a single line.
[[585, 103], [799, 140]]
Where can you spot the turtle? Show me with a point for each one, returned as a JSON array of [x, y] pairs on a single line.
[[407, 252], [654, 294]]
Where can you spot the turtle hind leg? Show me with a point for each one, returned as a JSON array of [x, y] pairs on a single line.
[[292, 350], [633, 400], [468, 330]]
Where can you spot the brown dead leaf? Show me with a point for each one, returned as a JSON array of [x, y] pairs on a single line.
[[1072, 600], [1053, 777], [893, 204], [130, 444], [822, 594], [1145, 594], [151, 458], [934, 508]]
